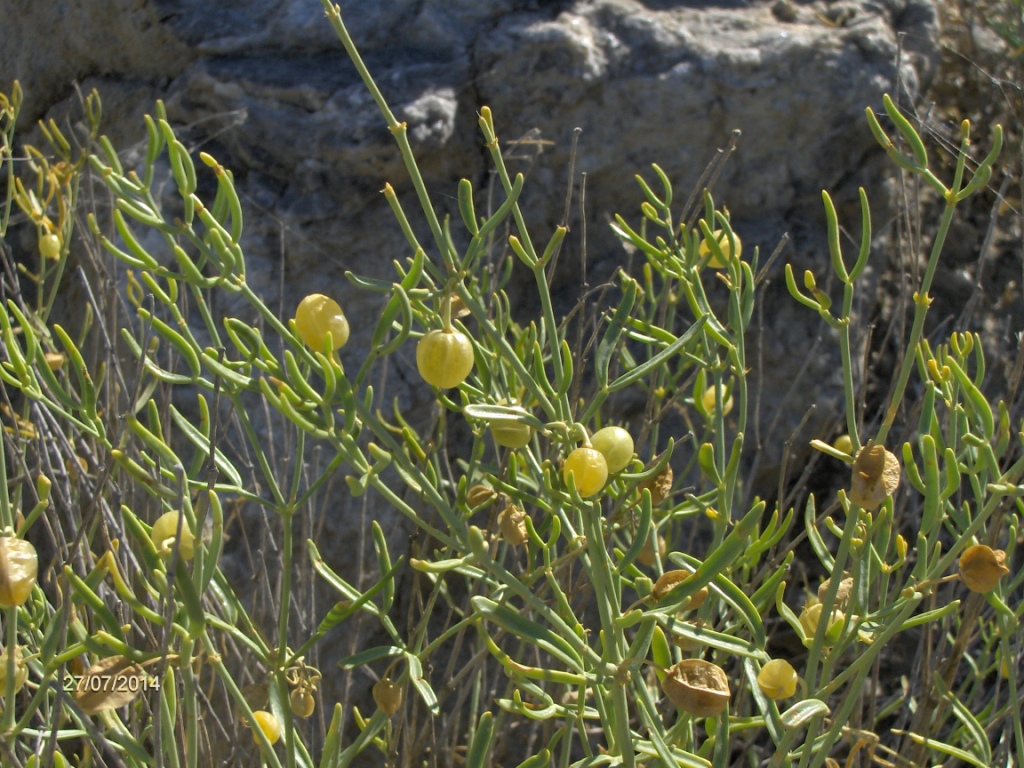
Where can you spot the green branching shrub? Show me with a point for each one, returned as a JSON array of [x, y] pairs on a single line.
[[547, 548]]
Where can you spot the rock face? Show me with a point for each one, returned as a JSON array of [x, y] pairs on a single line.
[[265, 87]]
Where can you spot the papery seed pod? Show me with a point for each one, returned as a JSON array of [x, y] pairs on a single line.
[[697, 687], [164, 530], [302, 701], [479, 494], [810, 616], [660, 485], [19, 567], [777, 679], [512, 525], [646, 556], [458, 306], [54, 360], [981, 567], [672, 579], [876, 476], [267, 723], [842, 593], [20, 672], [388, 696]]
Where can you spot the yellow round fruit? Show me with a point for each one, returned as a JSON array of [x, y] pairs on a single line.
[[316, 317], [302, 701], [511, 434], [444, 358], [49, 246], [616, 445], [387, 695], [20, 671], [267, 723], [723, 242], [810, 617], [589, 470], [844, 443], [19, 567], [710, 398], [164, 530], [777, 679]]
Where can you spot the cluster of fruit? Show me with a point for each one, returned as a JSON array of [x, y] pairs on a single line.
[[444, 358]]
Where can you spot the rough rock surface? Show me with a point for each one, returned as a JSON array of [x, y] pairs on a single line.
[[265, 86]]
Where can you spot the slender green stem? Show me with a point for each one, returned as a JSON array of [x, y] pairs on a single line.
[[921, 303]]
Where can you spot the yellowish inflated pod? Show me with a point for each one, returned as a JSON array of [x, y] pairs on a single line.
[[444, 358], [19, 567], [697, 687], [316, 317], [722, 238], [616, 445], [267, 723], [511, 434], [20, 672], [844, 443], [302, 701], [710, 398], [166, 528], [49, 246], [777, 679], [810, 617], [387, 696], [589, 470]]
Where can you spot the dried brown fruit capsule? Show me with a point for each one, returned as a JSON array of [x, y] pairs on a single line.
[[672, 579], [479, 494], [981, 567], [876, 476], [646, 556], [512, 525], [660, 485], [19, 567], [842, 592], [697, 687]]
